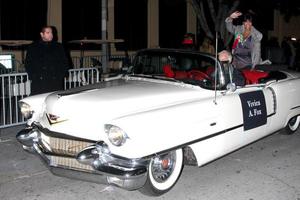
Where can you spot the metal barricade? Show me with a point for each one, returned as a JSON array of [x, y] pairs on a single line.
[[96, 61], [86, 61], [16, 86], [13, 87], [81, 77]]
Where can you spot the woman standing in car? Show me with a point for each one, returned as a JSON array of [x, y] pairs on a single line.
[[246, 47]]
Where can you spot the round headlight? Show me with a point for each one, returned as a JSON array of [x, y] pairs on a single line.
[[115, 135], [25, 110]]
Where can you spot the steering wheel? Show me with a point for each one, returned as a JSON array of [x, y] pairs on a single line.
[[198, 75]]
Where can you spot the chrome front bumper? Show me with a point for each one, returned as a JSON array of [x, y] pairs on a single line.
[[93, 163]]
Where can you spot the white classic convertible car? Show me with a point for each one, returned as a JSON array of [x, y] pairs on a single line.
[[171, 108]]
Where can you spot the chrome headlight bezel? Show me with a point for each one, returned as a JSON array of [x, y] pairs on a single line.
[[115, 134], [25, 109]]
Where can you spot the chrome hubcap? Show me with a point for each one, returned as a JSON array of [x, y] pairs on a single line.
[[294, 123], [163, 166]]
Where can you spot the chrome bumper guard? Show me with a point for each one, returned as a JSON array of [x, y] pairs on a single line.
[[100, 165]]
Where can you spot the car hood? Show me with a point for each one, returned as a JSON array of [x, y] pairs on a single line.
[[119, 98]]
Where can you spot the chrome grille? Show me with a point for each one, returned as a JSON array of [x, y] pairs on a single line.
[[67, 147], [63, 146], [66, 151], [70, 163]]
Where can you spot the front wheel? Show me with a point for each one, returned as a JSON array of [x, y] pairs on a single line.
[[164, 171], [292, 125]]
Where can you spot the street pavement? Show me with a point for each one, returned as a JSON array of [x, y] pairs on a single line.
[[265, 170]]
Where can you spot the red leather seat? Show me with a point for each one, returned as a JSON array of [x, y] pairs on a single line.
[[193, 74], [252, 76], [210, 70], [167, 69]]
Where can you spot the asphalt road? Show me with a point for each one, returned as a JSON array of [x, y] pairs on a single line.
[[266, 170]]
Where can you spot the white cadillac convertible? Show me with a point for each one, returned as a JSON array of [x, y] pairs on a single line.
[[171, 108]]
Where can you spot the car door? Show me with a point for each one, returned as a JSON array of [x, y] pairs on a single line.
[[246, 114]]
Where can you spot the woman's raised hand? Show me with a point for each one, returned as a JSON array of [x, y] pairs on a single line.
[[235, 15]]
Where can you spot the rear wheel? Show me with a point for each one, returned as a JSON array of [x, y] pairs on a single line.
[[293, 125], [164, 171]]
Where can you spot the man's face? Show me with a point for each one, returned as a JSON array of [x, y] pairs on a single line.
[[224, 56], [47, 35], [247, 25]]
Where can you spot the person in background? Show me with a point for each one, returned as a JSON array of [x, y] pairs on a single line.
[[286, 50], [207, 46], [246, 48], [46, 63], [188, 41], [292, 56]]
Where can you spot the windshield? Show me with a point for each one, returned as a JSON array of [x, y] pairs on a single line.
[[193, 68]]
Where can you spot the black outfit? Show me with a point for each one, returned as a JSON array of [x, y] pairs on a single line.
[[237, 75], [286, 50], [47, 65]]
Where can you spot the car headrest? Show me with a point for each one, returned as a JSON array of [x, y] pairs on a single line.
[[186, 64]]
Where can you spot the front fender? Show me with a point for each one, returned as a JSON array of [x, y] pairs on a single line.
[[159, 130]]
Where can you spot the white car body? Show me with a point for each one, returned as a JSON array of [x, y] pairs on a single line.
[[161, 116]]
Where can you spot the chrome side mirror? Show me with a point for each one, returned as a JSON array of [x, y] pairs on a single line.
[[231, 87]]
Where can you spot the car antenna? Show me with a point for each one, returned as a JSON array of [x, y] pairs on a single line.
[[216, 68]]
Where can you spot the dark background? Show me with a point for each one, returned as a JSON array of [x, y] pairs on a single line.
[[22, 20]]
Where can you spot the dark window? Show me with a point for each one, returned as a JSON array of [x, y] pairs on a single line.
[[172, 24], [81, 19], [22, 19], [131, 24]]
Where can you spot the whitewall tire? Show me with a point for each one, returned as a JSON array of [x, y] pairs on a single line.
[[163, 172], [293, 125]]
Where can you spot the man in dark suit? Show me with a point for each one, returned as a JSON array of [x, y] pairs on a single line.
[[46, 63]]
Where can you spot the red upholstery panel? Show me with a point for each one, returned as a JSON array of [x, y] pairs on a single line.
[[210, 70], [181, 75], [252, 76], [168, 71]]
